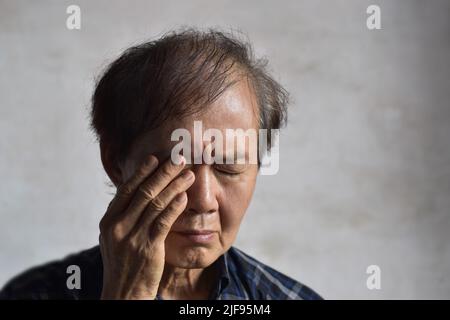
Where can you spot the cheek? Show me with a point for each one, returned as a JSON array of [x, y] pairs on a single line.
[[236, 197]]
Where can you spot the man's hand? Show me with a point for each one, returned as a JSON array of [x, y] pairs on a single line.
[[135, 226]]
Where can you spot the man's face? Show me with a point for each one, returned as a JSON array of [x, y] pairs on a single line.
[[221, 193]]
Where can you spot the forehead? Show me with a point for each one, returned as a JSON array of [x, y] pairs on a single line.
[[236, 108]]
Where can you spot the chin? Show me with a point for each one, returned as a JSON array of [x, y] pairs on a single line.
[[191, 257]]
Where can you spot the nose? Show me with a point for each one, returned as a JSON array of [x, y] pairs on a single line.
[[202, 194]]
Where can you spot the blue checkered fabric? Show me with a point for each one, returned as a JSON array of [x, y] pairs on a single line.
[[240, 277]]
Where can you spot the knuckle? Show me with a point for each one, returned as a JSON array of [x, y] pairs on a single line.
[[147, 193], [132, 245], [125, 190], [117, 232], [157, 204]]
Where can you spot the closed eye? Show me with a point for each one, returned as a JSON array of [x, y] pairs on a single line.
[[226, 170]]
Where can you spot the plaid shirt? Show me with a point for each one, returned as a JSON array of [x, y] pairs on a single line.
[[240, 277]]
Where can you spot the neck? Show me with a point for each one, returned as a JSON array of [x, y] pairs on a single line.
[[180, 283]]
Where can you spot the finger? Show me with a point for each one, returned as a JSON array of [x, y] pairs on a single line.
[[126, 190], [160, 203], [162, 224], [150, 189]]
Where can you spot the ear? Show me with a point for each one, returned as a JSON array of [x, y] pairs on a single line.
[[110, 164]]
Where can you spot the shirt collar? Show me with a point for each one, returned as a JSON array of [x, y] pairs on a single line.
[[224, 275]]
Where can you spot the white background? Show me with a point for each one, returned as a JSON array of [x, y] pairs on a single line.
[[365, 161]]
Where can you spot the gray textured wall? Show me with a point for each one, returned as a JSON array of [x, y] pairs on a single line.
[[365, 160]]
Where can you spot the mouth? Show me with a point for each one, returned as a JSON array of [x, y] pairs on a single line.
[[197, 236]]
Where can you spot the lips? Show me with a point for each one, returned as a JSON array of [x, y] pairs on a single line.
[[196, 231], [197, 236]]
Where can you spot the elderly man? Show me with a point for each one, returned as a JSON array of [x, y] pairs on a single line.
[[169, 230]]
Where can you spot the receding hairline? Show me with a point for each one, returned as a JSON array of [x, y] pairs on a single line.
[[220, 49]]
